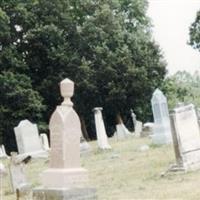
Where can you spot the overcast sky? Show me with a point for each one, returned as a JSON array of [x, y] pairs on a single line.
[[171, 20]]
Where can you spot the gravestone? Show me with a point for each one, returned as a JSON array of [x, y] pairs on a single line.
[[102, 138], [147, 129], [28, 141], [138, 128], [121, 131], [2, 170], [44, 141], [65, 179], [161, 129], [17, 174], [3, 152], [133, 116], [84, 146], [186, 138]]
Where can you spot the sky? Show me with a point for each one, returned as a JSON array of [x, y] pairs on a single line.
[[171, 20]]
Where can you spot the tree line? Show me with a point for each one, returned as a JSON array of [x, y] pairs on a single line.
[[104, 46]]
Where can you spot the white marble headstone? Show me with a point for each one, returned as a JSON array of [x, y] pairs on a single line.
[[2, 152], [27, 137], [44, 141], [161, 129]]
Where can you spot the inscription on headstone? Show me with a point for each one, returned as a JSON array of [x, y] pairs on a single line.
[[186, 137]]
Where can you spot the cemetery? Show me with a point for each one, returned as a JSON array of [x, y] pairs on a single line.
[[93, 106], [136, 167]]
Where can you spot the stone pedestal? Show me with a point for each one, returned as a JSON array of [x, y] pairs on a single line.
[[59, 178], [65, 178]]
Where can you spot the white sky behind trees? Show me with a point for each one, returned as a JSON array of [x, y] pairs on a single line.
[[171, 20]]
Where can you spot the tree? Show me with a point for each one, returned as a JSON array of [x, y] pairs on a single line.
[[195, 32], [104, 46], [182, 87], [18, 101]]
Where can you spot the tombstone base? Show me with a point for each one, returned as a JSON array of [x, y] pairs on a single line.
[[65, 194], [64, 178], [189, 162]]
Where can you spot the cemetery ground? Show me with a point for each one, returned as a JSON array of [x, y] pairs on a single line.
[[127, 172]]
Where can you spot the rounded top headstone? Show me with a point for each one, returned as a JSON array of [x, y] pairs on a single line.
[[67, 91]]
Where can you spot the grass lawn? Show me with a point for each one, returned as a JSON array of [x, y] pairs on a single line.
[[126, 173]]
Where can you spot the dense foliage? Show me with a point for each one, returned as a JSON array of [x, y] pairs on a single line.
[[182, 87], [104, 46], [195, 32]]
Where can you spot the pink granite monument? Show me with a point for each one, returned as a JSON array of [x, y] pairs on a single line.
[[65, 179]]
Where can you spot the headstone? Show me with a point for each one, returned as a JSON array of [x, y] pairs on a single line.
[[161, 129], [44, 141], [138, 128], [186, 138], [2, 152], [133, 116], [65, 179], [102, 138], [17, 174], [28, 141], [147, 129], [2, 170], [84, 146], [121, 131]]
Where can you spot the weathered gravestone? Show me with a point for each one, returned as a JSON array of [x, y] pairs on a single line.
[[121, 131], [137, 124], [3, 152], [186, 138], [44, 141], [84, 146], [65, 179], [2, 170], [17, 174], [133, 116], [138, 128], [28, 141], [147, 129], [161, 129], [102, 138]]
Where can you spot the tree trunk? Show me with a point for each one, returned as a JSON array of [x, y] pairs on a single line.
[[84, 129]]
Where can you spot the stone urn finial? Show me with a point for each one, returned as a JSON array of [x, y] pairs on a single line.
[[67, 91]]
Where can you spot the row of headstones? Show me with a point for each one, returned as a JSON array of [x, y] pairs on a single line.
[[29, 142]]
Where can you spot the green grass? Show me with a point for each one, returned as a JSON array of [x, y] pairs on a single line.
[[126, 173]]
